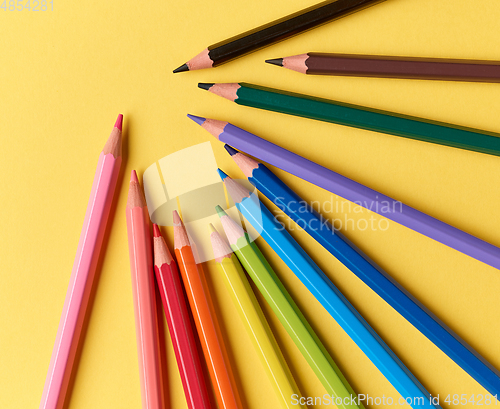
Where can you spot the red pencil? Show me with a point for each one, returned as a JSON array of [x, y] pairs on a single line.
[[181, 331]]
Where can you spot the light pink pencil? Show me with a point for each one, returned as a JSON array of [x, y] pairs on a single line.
[[84, 267], [145, 306]]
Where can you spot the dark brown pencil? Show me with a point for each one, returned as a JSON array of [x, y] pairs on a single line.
[[392, 67], [273, 32]]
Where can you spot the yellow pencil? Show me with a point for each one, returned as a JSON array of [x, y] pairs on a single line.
[[255, 322]]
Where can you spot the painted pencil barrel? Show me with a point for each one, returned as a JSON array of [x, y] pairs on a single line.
[[258, 329], [332, 300], [368, 118], [80, 285], [377, 279], [366, 197], [402, 67]]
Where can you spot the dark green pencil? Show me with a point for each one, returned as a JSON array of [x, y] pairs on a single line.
[[358, 116]]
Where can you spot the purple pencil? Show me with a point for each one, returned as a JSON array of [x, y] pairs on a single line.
[[351, 190]]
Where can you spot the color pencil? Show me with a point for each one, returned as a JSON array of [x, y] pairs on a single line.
[[358, 116], [356, 65], [178, 320], [287, 312], [371, 274], [352, 191], [255, 322], [320, 286], [273, 32], [83, 273], [206, 321], [143, 289]]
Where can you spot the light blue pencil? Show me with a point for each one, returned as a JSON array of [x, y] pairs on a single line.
[[328, 295]]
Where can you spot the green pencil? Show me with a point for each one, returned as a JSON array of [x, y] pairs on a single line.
[[288, 313], [358, 117]]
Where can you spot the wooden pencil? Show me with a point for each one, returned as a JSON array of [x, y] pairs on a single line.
[[352, 191], [255, 322], [358, 116], [144, 295], [207, 325], [357, 65], [288, 313], [83, 273], [176, 311], [273, 32], [330, 297], [368, 271]]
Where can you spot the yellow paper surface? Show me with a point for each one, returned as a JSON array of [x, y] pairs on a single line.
[[66, 74]]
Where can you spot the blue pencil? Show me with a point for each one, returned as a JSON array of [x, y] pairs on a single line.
[[371, 274], [327, 294]]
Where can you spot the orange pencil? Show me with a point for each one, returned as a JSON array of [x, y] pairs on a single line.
[[205, 319], [143, 286]]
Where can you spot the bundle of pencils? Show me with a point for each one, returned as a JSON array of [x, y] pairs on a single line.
[[182, 284], [287, 311], [324, 290], [361, 265]]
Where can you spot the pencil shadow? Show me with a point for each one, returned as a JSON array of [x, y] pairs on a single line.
[[100, 262]]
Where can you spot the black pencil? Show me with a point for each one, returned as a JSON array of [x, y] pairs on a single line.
[[273, 32]]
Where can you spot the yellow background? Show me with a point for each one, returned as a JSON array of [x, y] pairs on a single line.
[[66, 74]]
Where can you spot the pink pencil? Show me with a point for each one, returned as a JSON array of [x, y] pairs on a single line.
[[143, 287], [84, 267]]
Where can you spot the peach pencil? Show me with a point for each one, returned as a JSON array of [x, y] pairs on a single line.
[[146, 320], [83, 273], [206, 322]]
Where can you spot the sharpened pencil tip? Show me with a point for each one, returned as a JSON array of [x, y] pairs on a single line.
[[133, 177], [211, 228], [220, 211], [156, 231], [276, 61], [177, 219], [182, 68], [119, 122], [230, 150], [204, 85], [222, 174], [198, 119]]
